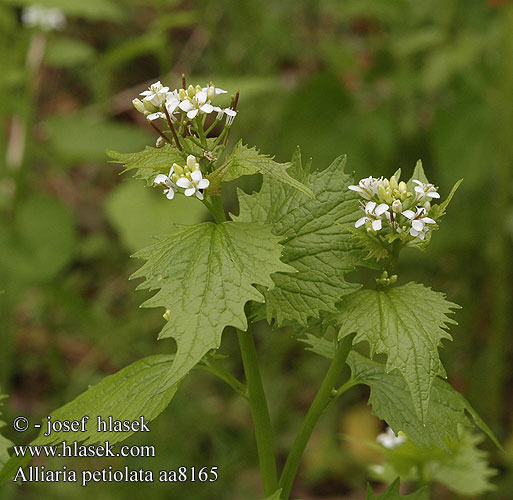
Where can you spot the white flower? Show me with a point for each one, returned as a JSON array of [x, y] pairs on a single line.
[[212, 91], [154, 116], [170, 185], [372, 214], [389, 440], [46, 18], [193, 181], [367, 188], [229, 112], [156, 94], [172, 102], [418, 222], [424, 190], [196, 104]]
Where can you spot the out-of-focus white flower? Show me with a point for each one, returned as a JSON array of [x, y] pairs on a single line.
[[424, 191], [171, 187], [367, 188], [389, 440], [212, 91], [418, 222], [192, 180], [373, 214], [156, 94], [45, 18]]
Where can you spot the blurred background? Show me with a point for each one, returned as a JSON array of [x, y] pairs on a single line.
[[385, 81]]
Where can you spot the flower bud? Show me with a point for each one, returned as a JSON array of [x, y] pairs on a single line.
[[139, 105], [393, 279], [191, 163], [397, 206], [177, 169], [211, 92], [167, 314], [403, 187], [191, 91], [393, 183], [150, 108], [160, 142], [427, 206]]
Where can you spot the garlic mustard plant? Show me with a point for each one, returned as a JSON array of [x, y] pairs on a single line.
[[285, 258]]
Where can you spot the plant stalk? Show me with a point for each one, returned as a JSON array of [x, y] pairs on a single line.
[[259, 412], [319, 403]]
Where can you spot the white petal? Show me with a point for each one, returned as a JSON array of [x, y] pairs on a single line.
[[419, 190], [370, 206], [230, 112], [171, 106], [358, 189], [160, 179], [170, 194], [201, 96], [429, 220], [196, 176], [409, 214], [413, 232], [184, 183], [376, 224], [433, 194], [360, 222], [199, 195], [203, 184], [154, 116], [190, 191], [382, 208], [207, 108], [191, 114], [416, 181], [418, 225], [186, 106]]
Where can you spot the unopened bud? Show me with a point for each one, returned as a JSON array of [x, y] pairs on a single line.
[[393, 279], [403, 187], [191, 91], [150, 108], [397, 206], [177, 169], [160, 142], [211, 92], [138, 105], [167, 314], [393, 183]]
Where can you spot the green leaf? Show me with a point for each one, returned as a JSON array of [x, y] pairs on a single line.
[[83, 137], [418, 174], [205, 274], [392, 493], [438, 211], [463, 468], [42, 240], [316, 238], [248, 161], [5, 444], [150, 161], [134, 391], [407, 323], [391, 401], [375, 249], [139, 213], [103, 10]]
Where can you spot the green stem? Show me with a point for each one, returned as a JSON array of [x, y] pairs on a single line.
[[316, 409], [259, 412], [217, 205]]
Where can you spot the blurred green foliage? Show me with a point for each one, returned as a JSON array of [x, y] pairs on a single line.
[[386, 82]]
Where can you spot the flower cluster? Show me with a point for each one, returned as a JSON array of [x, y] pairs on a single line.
[[390, 207], [189, 178], [45, 18], [191, 102]]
